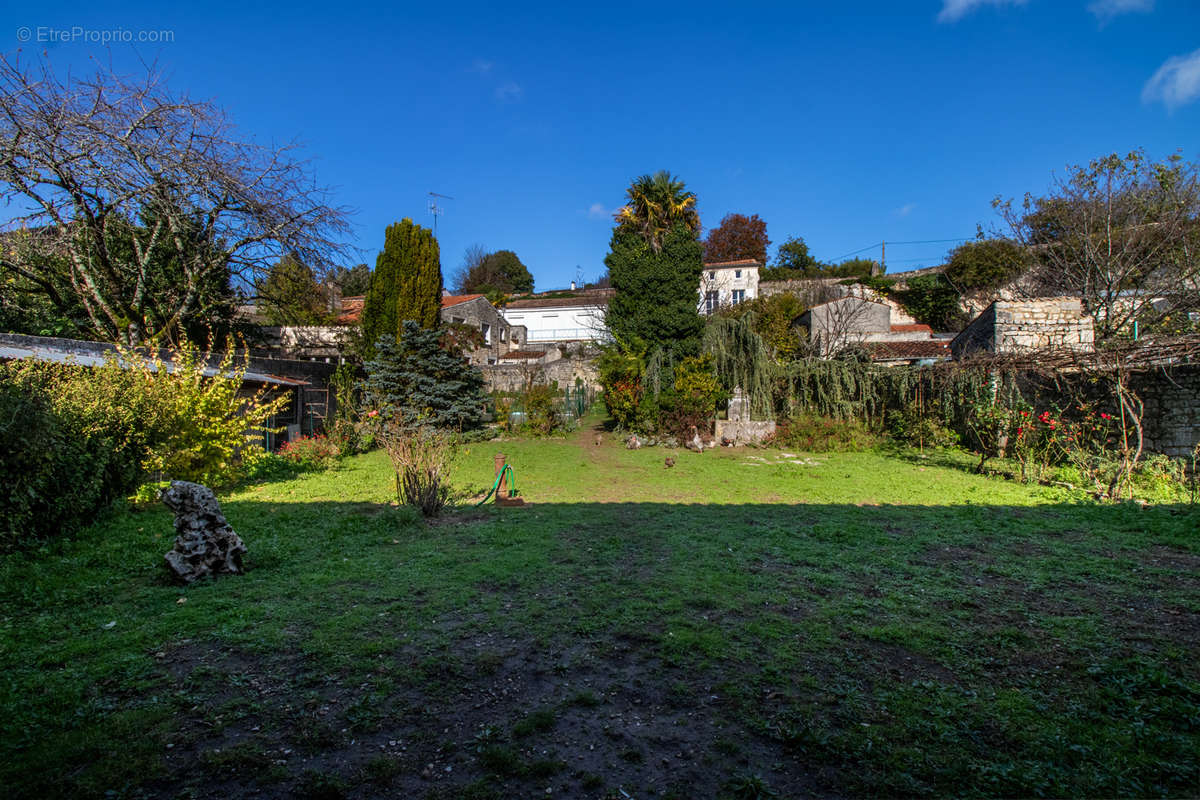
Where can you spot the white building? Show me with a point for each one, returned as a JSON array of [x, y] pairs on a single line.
[[727, 283], [568, 316]]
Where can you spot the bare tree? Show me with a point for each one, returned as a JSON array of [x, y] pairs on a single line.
[[473, 257], [142, 199], [1122, 233], [847, 322]]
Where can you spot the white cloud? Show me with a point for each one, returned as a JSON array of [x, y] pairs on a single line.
[[1107, 9], [1176, 83], [954, 10], [481, 66], [905, 210], [598, 211], [509, 92]]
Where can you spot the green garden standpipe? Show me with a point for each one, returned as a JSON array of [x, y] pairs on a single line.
[[500, 488]]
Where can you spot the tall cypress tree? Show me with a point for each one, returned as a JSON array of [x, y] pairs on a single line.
[[656, 296], [406, 284]]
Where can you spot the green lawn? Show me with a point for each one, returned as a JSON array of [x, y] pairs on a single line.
[[743, 623]]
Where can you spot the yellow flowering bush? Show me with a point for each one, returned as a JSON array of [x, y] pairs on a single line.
[[75, 438]]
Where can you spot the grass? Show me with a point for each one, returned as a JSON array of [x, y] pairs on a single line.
[[744, 624]]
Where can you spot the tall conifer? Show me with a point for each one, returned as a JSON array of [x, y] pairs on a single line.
[[406, 284]]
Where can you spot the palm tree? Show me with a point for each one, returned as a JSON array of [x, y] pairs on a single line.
[[656, 202]]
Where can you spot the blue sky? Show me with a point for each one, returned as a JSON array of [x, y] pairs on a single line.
[[845, 123]]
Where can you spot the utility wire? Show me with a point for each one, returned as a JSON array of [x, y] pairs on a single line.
[[912, 241], [860, 250], [934, 241]]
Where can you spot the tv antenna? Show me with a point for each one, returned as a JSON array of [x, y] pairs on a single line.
[[435, 209]]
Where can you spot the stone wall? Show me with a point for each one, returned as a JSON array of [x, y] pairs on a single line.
[[310, 341], [1172, 417], [1056, 322], [1016, 326], [564, 371], [743, 432], [815, 290]]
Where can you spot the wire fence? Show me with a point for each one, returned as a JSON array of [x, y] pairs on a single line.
[[571, 403]]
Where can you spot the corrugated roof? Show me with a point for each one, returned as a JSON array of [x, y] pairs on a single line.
[[96, 355]]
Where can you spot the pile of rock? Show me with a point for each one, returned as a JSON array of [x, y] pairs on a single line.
[[205, 543]]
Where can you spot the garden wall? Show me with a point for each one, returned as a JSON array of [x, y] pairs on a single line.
[[564, 371], [1172, 418]]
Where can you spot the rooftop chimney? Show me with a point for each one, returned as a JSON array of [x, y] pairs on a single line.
[[572, 284]]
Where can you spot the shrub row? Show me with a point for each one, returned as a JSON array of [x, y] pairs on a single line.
[[76, 438]]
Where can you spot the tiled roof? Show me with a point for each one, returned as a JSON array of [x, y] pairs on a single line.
[[351, 310], [744, 262], [579, 298], [519, 354], [911, 329], [457, 299], [352, 306], [897, 351]]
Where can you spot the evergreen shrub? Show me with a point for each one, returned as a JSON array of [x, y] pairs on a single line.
[[414, 380]]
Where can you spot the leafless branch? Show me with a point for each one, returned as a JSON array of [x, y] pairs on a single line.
[[116, 176]]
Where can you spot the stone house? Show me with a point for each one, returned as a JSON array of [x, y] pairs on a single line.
[[1016, 326], [472, 310], [852, 321]]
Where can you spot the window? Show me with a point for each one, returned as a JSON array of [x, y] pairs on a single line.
[[457, 320], [712, 276], [739, 295], [737, 273], [502, 334], [487, 332], [711, 301]]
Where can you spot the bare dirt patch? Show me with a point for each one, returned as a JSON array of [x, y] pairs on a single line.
[[584, 719]]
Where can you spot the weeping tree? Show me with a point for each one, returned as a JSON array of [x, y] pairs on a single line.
[[741, 359]]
